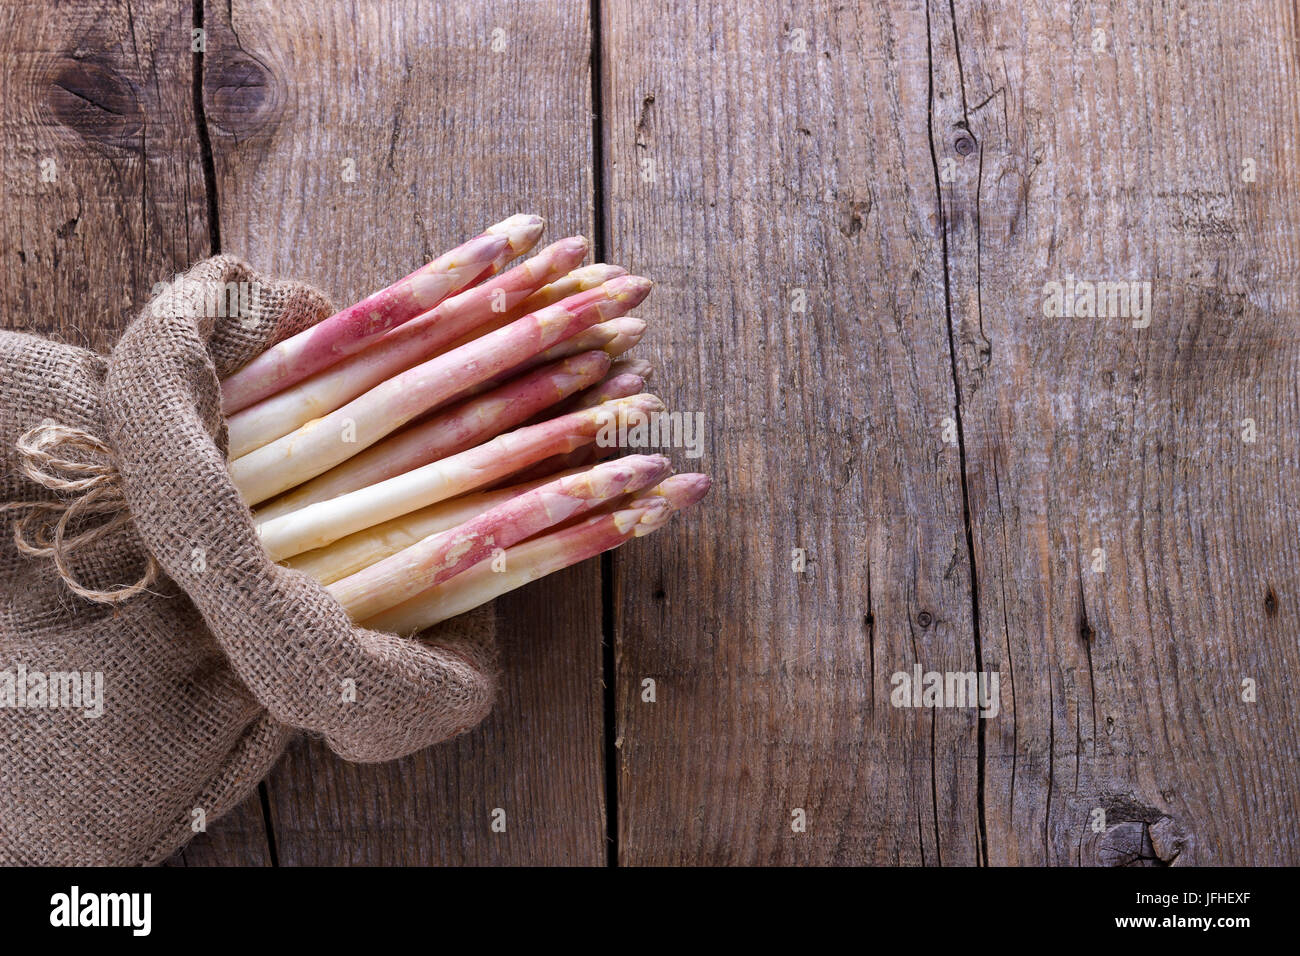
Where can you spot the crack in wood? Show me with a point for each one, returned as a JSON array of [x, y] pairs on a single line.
[[982, 849]]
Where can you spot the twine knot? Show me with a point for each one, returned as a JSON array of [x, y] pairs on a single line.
[[94, 487]]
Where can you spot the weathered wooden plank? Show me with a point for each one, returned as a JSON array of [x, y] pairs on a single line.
[[351, 143], [1150, 142], [772, 171], [102, 181], [103, 196]]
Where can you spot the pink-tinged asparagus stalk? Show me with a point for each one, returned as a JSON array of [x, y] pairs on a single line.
[[477, 468], [679, 491], [349, 555], [448, 432], [579, 280], [613, 338], [629, 381], [441, 556], [631, 366], [412, 342], [616, 386], [541, 556], [321, 444], [607, 389], [521, 231], [524, 563], [612, 387], [582, 457], [349, 331]]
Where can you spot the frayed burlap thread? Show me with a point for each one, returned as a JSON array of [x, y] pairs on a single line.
[[95, 487], [214, 664]]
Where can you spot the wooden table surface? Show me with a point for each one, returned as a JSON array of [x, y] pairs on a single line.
[[853, 213]]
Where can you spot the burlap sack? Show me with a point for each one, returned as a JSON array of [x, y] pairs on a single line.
[[209, 672]]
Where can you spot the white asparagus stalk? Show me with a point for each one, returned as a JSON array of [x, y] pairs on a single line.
[[412, 342], [352, 329], [541, 556], [634, 366], [582, 279], [441, 556], [325, 522], [321, 444], [522, 231], [629, 381], [610, 388], [524, 563], [624, 378], [448, 432], [613, 338], [349, 555]]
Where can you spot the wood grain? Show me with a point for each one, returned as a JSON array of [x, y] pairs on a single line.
[[346, 164], [102, 180], [1123, 687], [1110, 144], [789, 152]]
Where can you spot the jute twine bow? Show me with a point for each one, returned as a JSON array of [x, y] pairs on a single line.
[[95, 488]]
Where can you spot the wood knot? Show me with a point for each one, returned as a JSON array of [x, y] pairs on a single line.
[[1136, 834], [964, 144], [240, 93], [925, 619], [94, 99], [852, 215]]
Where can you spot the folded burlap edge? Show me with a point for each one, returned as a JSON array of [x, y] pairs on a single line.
[[371, 696]]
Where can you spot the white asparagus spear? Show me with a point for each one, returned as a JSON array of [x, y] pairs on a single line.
[[441, 556], [325, 522], [448, 432], [319, 445], [581, 279], [397, 350], [349, 555], [541, 556], [352, 329]]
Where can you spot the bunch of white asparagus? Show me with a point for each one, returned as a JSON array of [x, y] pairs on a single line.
[[435, 445]]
